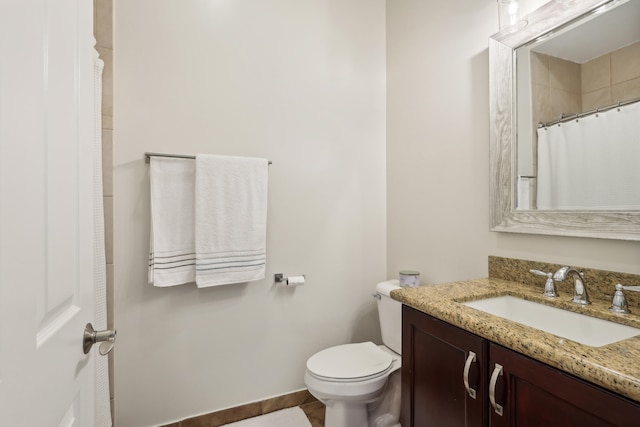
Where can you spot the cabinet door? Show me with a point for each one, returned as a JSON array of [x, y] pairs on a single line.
[[534, 394], [434, 357]]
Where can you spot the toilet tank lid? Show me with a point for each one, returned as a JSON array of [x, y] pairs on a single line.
[[387, 286]]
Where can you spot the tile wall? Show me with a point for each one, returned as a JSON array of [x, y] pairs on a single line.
[[611, 78], [562, 86], [555, 87], [103, 31]]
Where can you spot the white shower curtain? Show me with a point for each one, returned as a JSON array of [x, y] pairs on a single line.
[[592, 163]]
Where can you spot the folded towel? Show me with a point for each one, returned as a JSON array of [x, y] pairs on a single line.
[[230, 219], [172, 242]]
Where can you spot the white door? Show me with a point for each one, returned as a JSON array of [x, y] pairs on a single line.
[[46, 212]]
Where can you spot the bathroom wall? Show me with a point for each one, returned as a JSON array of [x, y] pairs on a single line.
[[437, 137], [611, 78], [556, 87], [301, 83], [567, 87], [438, 151]]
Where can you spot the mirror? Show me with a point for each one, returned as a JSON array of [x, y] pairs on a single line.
[[568, 33]]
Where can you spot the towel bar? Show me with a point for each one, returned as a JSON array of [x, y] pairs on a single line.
[[147, 156]]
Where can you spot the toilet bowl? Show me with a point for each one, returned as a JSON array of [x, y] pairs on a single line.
[[353, 380]]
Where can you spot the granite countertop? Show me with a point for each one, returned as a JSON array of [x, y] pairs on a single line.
[[614, 366]]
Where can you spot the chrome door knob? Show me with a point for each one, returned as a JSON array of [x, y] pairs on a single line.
[[91, 336]]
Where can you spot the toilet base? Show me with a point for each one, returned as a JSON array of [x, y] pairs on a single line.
[[385, 412], [380, 411], [345, 414]]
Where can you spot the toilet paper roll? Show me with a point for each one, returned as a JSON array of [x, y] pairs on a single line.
[[295, 280]]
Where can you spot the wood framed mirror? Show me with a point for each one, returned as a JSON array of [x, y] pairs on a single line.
[[505, 127]]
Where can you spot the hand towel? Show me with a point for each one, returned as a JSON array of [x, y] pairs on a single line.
[[172, 241], [230, 219], [102, 399]]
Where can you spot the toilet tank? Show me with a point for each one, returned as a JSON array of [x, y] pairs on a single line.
[[390, 314]]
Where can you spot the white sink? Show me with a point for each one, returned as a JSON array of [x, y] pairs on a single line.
[[577, 327]]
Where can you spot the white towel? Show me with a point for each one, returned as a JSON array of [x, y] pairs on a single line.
[[230, 219], [172, 242], [102, 396]]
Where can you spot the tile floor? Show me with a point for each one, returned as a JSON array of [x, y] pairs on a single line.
[[309, 404], [315, 413]]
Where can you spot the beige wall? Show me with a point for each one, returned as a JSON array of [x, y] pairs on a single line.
[[437, 137], [564, 87], [611, 78], [437, 151], [299, 83], [555, 87]]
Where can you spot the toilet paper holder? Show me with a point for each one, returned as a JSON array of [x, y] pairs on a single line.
[[280, 278]]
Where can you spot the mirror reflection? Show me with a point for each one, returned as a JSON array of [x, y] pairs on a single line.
[[578, 116]]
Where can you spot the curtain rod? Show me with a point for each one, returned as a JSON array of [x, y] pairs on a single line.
[[568, 117], [147, 156]]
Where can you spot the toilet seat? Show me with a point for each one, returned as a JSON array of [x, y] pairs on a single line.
[[349, 363]]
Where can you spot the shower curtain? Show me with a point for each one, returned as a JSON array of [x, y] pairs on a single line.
[[592, 163]]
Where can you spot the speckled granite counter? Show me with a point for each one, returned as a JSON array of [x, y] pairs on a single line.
[[615, 366]]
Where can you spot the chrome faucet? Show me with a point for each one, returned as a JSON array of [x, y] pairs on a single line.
[[580, 295]]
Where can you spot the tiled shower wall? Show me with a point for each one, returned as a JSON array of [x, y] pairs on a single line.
[[555, 87], [103, 30], [611, 78], [562, 86]]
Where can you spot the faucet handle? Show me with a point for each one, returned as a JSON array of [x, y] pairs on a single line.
[[541, 273], [619, 302], [549, 286]]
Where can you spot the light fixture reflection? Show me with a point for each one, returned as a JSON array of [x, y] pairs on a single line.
[[511, 15]]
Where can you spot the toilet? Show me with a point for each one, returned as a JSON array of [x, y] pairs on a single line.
[[360, 383]]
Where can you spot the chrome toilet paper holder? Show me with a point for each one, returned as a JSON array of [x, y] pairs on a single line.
[[280, 278]]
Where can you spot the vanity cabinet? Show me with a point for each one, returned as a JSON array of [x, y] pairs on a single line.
[[434, 357], [533, 394], [528, 393]]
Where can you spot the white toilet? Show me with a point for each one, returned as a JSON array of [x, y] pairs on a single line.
[[360, 383]]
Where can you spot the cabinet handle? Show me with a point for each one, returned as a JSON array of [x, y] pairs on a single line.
[[492, 389], [471, 358]]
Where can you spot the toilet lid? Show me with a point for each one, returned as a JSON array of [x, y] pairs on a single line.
[[350, 361]]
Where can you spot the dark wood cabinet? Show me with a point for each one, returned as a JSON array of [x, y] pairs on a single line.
[[533, 394], [434, 358], [436, 362]]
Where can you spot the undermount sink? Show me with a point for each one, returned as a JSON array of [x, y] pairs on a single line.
[[577, 327]]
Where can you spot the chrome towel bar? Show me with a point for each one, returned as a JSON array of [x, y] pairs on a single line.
[[147, 156]]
